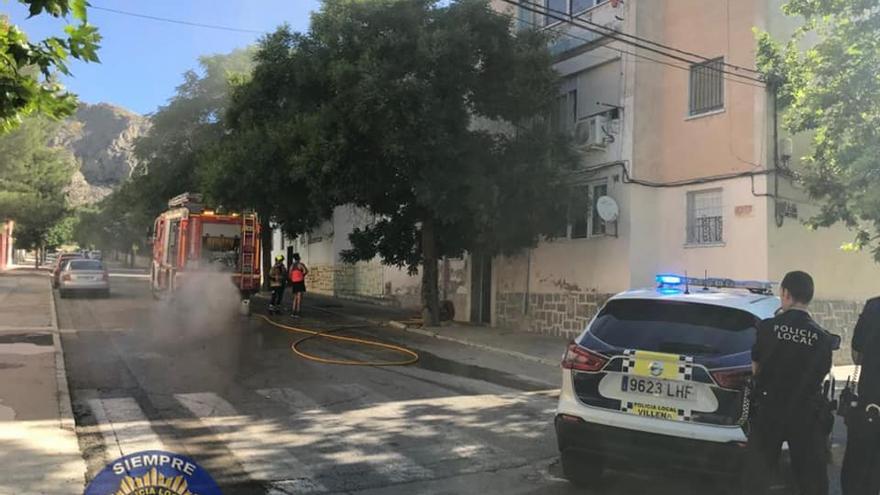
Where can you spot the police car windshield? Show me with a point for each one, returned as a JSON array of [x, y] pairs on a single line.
[[675, 327]]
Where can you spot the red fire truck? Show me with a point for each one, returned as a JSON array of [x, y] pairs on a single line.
[[191, 239]]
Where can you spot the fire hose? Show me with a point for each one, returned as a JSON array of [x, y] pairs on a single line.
[[328, 334]]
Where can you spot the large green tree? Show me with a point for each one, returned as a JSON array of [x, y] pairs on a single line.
[[827, 80], [431, 116], [259, 164], [181, 135], [29, 69], [33, 177]]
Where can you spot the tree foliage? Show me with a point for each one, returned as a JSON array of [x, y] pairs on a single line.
[[28, 69], [429, 116], [33, 177], [831, 90], [182, 134]]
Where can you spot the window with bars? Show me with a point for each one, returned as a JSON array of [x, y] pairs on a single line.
[[705, 224], [707, 87]]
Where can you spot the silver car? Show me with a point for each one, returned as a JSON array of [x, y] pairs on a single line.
[[82, 276]]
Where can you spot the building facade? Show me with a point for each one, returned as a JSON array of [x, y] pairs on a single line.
[[690, 152], [6, 244], [689, 148]]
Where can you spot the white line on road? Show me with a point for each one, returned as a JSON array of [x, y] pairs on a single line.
[[124, 426], [261, 446]]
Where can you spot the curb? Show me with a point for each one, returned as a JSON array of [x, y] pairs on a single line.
[[499, 350], [65, 409]]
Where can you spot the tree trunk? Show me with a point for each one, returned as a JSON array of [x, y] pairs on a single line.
[[266, 248], [430, 295], [37, 257]]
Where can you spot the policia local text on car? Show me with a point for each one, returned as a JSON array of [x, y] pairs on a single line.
[[790, 360]]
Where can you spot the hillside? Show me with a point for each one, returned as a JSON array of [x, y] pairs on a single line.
[[101, 137]]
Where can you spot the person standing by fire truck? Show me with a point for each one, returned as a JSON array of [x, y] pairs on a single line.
[[277, 281], [297, 275]]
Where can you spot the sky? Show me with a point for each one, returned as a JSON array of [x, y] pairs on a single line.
[[143, 60]]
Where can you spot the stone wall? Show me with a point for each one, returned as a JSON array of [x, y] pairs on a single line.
[[562, 314], [838, 317]]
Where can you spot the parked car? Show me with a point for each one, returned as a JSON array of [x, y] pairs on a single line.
[[60, 261], [657, 379], [84, 276]]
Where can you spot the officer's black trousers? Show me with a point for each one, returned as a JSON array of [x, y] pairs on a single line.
[[861, 462], [277, 296], [807, 440]]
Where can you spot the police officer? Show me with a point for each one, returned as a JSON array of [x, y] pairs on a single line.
[[790, 359], [861, 462]]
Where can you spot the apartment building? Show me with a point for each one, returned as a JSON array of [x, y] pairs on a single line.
[[682, 170], [689, 149]]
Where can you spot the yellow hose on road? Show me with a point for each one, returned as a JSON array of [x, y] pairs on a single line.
[[310, 334]]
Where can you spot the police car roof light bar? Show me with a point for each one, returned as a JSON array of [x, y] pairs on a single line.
[[753, 286]]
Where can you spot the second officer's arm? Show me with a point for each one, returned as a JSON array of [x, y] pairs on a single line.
[[870, 318]]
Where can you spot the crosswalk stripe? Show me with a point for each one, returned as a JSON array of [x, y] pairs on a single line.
[[386, 463], [261, 446], [124, 426]]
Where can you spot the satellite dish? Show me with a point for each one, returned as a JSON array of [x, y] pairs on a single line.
[[607, 208]]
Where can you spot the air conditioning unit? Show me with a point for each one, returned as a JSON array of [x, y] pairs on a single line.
[[589, 133]]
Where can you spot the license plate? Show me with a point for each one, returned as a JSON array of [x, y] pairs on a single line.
[[658, 388], [654, 411], [85, 278]]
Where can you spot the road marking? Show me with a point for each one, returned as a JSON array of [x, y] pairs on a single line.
[[124, 426], [261, 446], [364, 452]]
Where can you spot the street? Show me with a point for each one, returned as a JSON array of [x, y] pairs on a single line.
[[227, 391]]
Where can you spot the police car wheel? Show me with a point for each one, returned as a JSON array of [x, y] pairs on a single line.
[[582, 470]]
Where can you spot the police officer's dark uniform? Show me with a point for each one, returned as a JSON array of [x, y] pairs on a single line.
[[861, 462], [793, 354]]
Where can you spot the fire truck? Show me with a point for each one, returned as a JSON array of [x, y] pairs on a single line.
[[190, 239]]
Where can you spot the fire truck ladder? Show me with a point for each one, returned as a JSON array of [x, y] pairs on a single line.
[[248, 250]]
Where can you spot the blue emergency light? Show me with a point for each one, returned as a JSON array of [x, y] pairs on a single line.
[[665, 280]]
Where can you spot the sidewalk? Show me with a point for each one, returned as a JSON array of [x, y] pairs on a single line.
[[39, 452]]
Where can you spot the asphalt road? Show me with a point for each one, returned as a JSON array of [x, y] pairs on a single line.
[[196, 378]]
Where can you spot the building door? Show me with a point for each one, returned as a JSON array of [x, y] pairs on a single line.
[[481, 289]]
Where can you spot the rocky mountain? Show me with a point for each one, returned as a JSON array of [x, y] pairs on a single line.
[[101, 137]]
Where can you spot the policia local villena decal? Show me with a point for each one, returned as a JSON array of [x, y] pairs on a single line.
[[153, 472]]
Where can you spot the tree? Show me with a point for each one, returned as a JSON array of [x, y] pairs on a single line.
[[33, 177], [831, 91], [431, 117], [182, 133], [28, 70], [257, 165]]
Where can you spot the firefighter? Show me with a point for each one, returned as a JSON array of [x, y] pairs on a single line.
[[790, 360], [277, 281], [861, 462], [297, 275]]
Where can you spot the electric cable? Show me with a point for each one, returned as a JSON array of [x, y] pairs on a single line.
[[570, 21], [176, 21], [646, 40]]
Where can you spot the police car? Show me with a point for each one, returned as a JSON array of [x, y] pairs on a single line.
[[657, 379]]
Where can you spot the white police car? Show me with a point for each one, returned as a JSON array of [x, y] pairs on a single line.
[[657, 379]]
